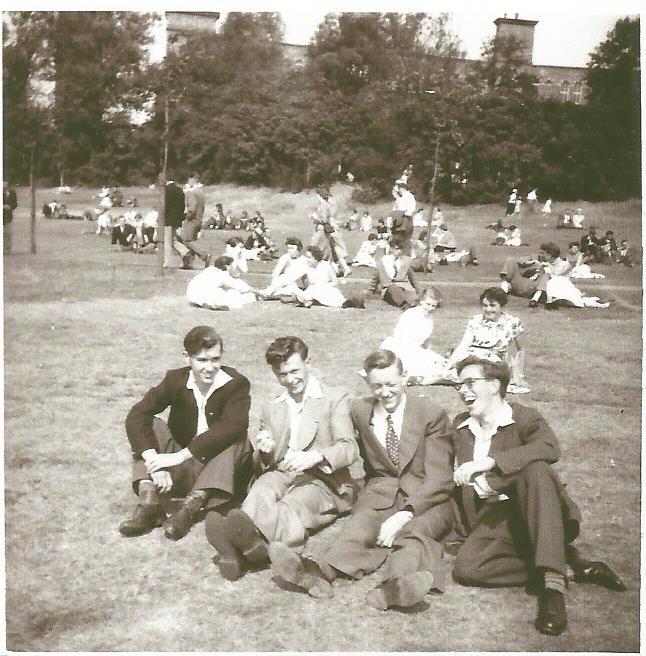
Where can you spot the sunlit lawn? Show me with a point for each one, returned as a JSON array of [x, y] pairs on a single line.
[[88, 330]]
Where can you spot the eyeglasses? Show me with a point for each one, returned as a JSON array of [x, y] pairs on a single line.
[[469, 382]]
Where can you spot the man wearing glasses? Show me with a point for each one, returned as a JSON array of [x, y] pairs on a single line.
[[517, 519]]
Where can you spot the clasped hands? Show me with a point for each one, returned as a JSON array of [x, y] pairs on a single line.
[[467, 470], [294, 461]]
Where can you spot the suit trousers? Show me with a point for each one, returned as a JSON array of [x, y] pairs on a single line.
[[193, 475], [397, 294], [415, 548], [521, 286], [513, 539], [285, 507]]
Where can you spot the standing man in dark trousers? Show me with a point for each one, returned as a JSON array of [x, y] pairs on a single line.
[[175, 204], [202, 453], [517, 518], [9, 204]]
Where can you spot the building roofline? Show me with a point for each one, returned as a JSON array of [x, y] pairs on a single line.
[[515, 21], [207, 14]]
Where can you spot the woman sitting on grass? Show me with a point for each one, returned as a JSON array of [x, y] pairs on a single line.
[[491, 334], [320, 281], [215, 288], [411, 341]]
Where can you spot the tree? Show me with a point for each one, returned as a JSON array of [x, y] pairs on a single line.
[[613, 112]]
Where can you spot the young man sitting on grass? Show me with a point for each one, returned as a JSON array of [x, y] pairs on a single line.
[[202, 453], [517, 519]]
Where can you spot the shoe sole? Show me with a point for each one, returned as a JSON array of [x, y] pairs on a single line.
[[405, 592], [231, 570]]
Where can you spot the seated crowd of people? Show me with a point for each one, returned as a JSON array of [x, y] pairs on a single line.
[[413, 482]]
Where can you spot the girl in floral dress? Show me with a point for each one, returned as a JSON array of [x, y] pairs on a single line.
[[495, 334]]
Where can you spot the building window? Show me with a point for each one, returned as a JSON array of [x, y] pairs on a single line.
[[577, 93], [565, 91]]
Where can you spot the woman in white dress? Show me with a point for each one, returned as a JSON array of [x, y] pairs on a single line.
[[580, 269], [560, 290], [321, 282], [366, 254], [411, 342], [215, 288]]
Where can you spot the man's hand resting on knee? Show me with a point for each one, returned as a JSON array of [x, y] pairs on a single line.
[[392, 526]]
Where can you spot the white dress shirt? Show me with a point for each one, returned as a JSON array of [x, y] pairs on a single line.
[[481, 447], [221, 379], [379, 424]]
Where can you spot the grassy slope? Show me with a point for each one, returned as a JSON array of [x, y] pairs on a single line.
[[97, 328]]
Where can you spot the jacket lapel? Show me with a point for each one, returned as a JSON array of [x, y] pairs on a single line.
[[410, 437], [371, 443], [309, 423]]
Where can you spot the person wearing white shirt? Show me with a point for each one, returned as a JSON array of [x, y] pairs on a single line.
[[403, 510], [289, 269], [518, 520], [402, 214], [303, 454]]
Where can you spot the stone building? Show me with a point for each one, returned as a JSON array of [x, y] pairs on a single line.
[[564, 83]]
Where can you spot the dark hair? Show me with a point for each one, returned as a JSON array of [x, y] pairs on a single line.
[[433, 292], [316, 252], [294, 241], [201, 338], [283, 348], [382, 359], [397, 242], [222, 262], [551, 249], [234, 241], [494, 294], [493, 370], [372, 236], [422, 235]]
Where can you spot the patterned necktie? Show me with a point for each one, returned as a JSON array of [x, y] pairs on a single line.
[[392, 441]]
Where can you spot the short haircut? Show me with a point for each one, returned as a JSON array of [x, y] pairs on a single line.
[[234, 241], [397, 242], [201, 338], [494, 294], [551, 249], [431, 292], [372, 236], [222, 262], [422, 235], [316, 252], [382, 359], [494, 370], [283, 348], [294, 241]]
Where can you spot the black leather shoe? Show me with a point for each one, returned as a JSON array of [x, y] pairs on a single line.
[[245, 536], [146, 517], [179, 523], [552, 618], [599, 573], [533, 304]]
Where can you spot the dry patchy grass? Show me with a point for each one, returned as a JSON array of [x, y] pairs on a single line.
[[95, 329]]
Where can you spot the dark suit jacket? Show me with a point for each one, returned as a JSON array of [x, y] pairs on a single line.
[[425, 473], [528, 439], [227, 414], [174, 200], [381, 279]]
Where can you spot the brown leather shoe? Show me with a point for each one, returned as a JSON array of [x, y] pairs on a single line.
[[552, 618], [244, 535], [302, 572], [179, 523], [146, 517], [401, 591], [228, 559]]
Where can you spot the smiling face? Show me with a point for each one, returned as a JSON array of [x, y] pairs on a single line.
[[205, 364], [387, 386], [293, 374], [293, 251], [428, 304], [478, 393], [491, 310]]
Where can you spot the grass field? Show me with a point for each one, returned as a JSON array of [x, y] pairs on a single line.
[[88, 331]]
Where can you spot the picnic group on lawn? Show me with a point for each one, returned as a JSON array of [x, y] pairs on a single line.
[[410, 479], [413, 483]]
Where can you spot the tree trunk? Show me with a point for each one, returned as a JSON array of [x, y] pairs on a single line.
[[32, 186]]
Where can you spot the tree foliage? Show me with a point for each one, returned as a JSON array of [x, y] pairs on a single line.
[[379, 91]]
